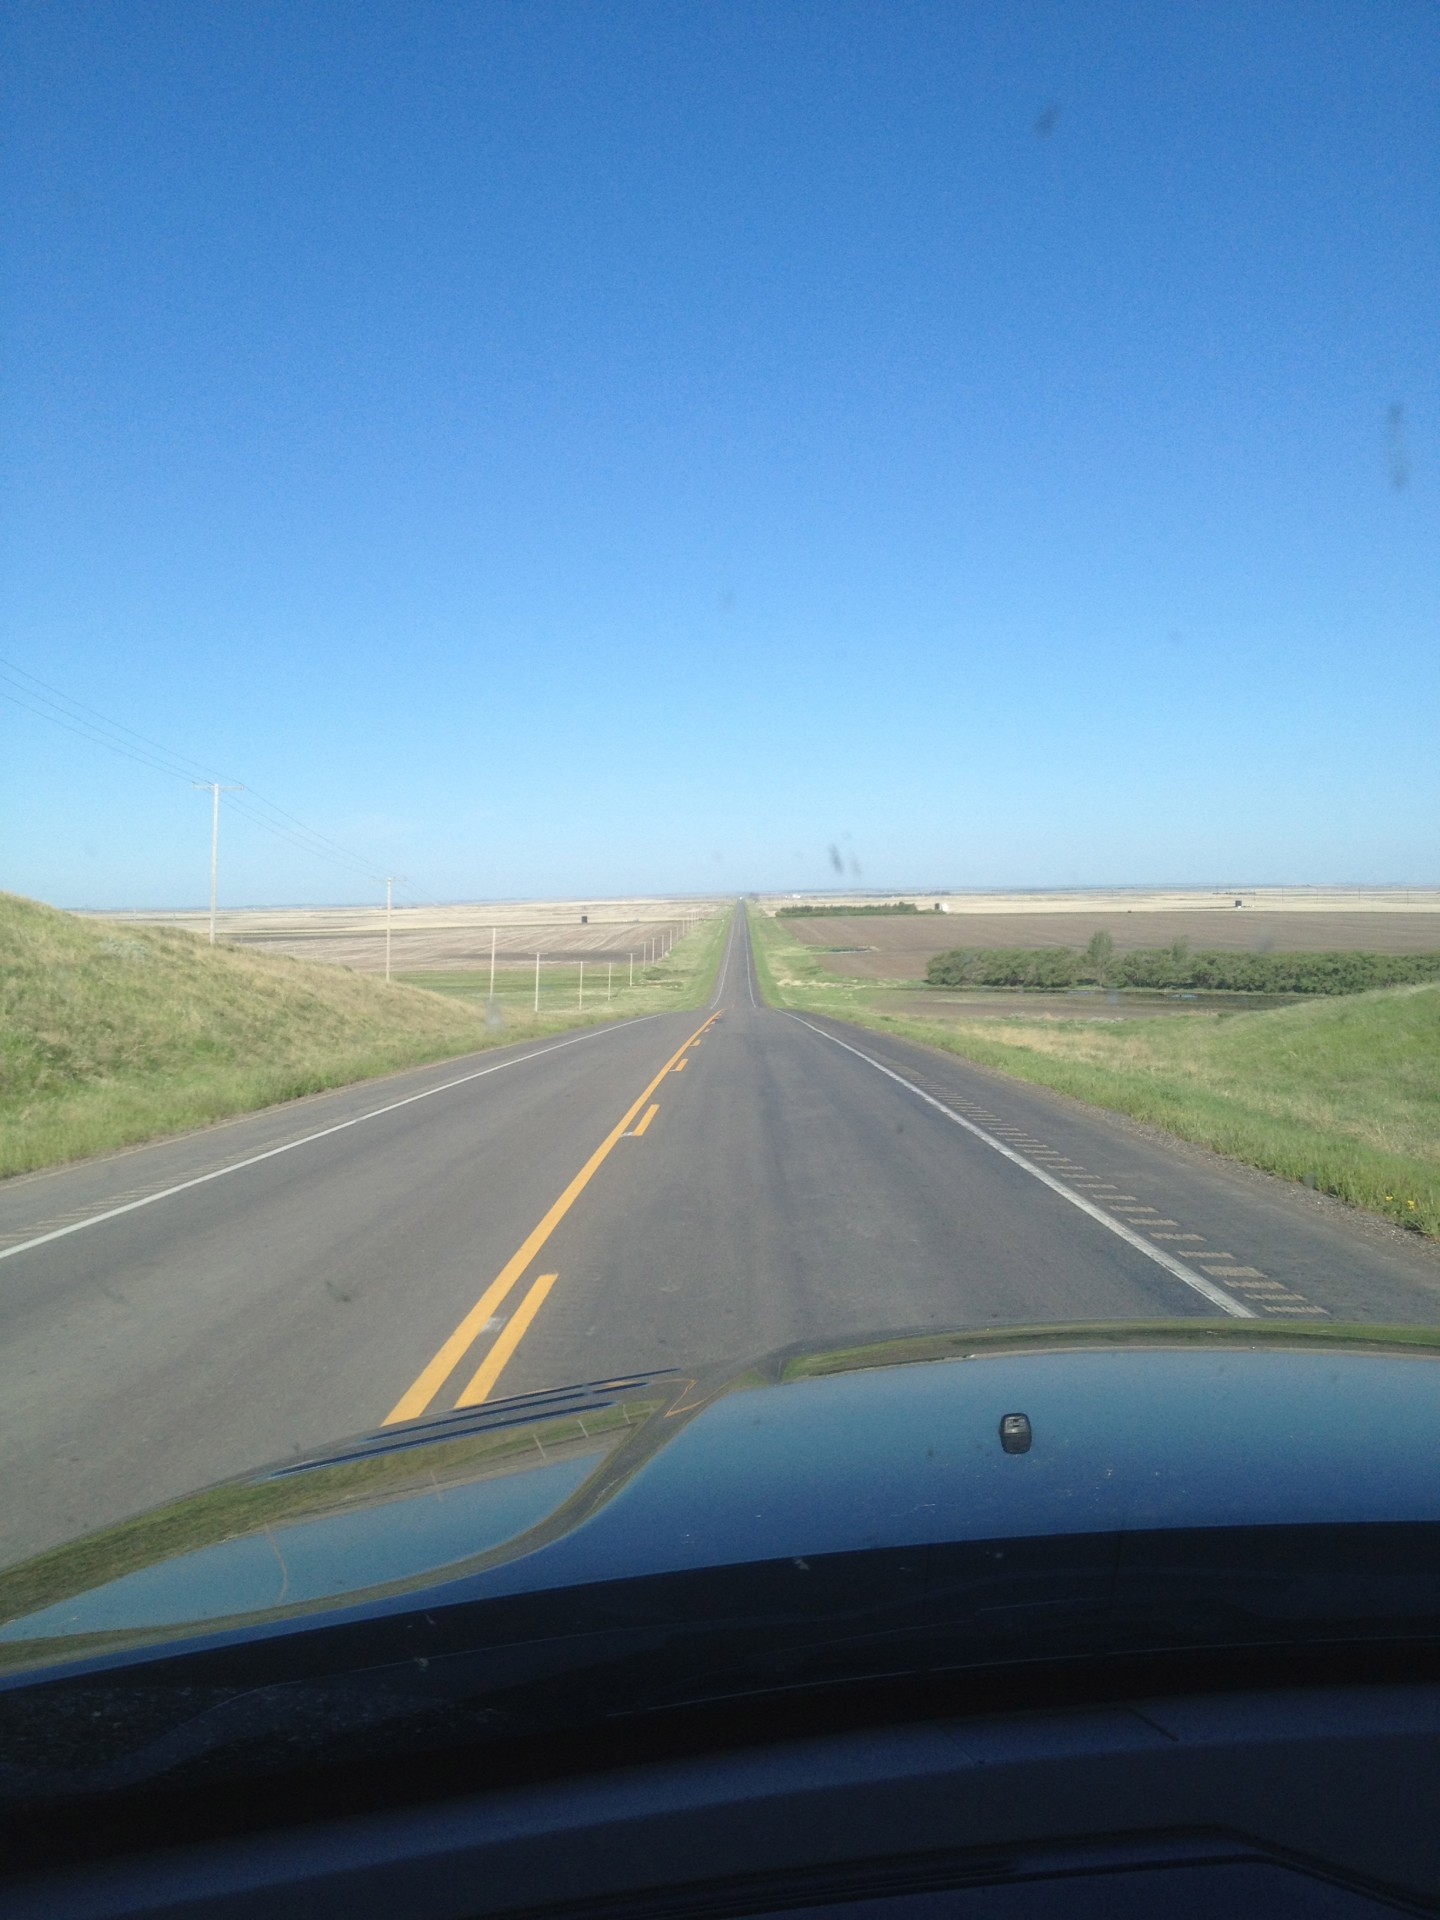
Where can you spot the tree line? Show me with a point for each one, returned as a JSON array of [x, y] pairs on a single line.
[[1175, 968], [797, 913]]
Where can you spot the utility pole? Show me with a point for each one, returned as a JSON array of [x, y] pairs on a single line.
[[390, 880], [216, 788]]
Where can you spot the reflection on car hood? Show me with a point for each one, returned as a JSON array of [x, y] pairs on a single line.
[[886, 1446]]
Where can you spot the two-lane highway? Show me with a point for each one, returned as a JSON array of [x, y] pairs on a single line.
[[684, 1190]]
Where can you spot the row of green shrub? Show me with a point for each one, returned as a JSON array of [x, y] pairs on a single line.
[[797, 913], [1275, 972], [1004, 967], [1173, 968]]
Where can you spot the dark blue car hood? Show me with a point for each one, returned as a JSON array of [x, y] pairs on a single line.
[[885, 1448]]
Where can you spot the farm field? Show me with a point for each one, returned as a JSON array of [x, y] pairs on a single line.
[[1088, 900], [452, 938], [898, 946], [874, 966]]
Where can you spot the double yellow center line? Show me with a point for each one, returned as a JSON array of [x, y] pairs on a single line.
[[417, 1397]]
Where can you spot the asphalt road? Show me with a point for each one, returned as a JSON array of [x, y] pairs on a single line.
[[684, 1190]]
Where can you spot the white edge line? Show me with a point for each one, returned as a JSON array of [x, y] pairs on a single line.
[[749, 954], [724, 969], [288, 1146], [1216, 1295]]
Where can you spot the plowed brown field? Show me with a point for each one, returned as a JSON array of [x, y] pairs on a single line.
[[897, 947]]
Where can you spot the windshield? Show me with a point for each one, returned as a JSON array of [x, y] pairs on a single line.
[[705, 709]]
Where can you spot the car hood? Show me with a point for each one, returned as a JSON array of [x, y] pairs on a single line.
[[890, 1446]]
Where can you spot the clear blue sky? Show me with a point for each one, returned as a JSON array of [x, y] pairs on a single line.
[[593, 447]]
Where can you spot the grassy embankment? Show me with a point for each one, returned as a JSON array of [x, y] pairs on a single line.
[[112, 1034], [1342, 1094]]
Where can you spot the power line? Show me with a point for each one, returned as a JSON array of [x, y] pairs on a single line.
[[86, 732], [36, 696], [178, 766], [8, 668]]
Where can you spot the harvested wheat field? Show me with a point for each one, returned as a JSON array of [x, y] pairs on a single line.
[[450, 938]]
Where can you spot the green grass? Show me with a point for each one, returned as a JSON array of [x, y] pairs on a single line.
[[1342, 1094], [785, 965], [111, 1034]]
